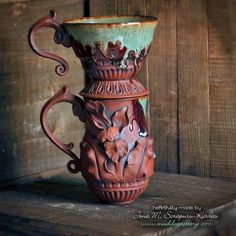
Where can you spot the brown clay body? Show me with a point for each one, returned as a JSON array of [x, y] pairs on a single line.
[[116, 157], [116, 152]]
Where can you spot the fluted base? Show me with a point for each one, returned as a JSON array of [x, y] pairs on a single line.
[[120, 192], [126, 88]]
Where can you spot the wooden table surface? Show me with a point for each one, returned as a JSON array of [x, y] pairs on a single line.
[[62, 205]]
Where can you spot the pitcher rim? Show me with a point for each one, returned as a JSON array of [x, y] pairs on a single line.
[[141, 19]]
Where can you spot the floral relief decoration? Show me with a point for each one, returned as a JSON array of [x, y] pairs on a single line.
[[109, 131], [138, 161]]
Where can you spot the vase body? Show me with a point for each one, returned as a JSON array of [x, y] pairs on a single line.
[[116, 157], [116, 152]]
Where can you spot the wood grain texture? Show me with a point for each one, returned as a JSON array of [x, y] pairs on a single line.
[[63, 205], [102, 7], [32, 177], [26, 82], [222, 69], [162, 73], [193, 87]]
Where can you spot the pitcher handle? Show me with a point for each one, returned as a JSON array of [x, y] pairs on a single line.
[[78, 109], [61, 37]]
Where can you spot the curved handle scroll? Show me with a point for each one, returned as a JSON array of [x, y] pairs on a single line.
[[78, 109], [60, 37]]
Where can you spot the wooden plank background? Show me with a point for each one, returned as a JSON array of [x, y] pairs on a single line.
[[26, 82], [162, 71], [222, 86], [190, 71], [192, 43]]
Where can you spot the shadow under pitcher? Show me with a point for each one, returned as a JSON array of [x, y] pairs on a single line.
[[116, 157]]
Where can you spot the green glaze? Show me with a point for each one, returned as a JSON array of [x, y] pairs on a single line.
[[135, 33], [143, 101]]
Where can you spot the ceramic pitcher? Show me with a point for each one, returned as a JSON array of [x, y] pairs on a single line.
[[116, 156]]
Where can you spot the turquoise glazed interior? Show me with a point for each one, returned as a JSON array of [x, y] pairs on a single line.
[[112, 47], [133, 32]]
